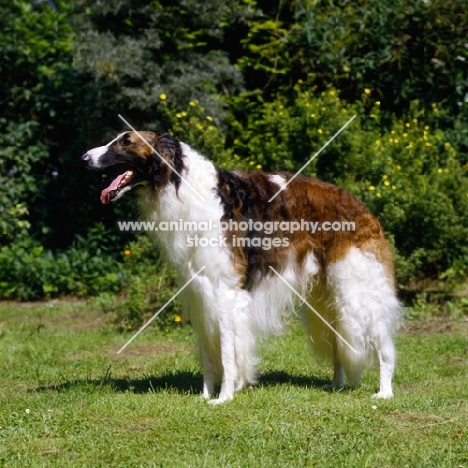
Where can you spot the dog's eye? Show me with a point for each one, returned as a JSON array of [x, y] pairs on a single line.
[[126, 141]]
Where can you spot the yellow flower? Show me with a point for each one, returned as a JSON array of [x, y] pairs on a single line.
[[332, 92], [385, 176], [163, 97], [393, 187], [367, 91], [127, 252], [371, 187], [258, 166], [192, 103], [398, 167], [178, 319], [440, 170], [377, 103], [320, 131], [377, 194], [386, 183], [209, 118], [313, 116]]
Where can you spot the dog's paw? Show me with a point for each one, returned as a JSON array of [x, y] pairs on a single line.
[[219, 401], [332, 388], [383, 395]]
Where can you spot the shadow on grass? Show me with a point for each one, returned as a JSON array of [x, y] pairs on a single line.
[[184, 382]]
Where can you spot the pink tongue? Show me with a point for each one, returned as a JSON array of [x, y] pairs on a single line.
[[106, 193]]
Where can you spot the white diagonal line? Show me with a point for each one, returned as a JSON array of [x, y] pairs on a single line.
[[311, 308], [313, 157], [154, 150], [161, 309]]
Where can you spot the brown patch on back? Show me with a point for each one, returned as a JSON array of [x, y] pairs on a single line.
[[245, 196]]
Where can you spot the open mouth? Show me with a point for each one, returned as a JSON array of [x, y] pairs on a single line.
[[124, 180]]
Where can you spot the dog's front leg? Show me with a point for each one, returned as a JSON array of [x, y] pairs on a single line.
[[228, 358], [208, 374]]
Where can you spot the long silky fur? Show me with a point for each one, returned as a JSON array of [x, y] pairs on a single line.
[[237, 299]]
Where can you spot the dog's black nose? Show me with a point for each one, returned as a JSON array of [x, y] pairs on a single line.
[[85, 157]]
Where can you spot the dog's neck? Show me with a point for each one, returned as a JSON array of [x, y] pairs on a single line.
[[195, 200]]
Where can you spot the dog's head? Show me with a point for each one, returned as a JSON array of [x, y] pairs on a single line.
[[137, 158]]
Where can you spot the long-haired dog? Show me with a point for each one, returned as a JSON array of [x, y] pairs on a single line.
[[342, 279]]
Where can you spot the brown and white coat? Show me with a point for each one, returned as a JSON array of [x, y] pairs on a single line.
[[347, 276]]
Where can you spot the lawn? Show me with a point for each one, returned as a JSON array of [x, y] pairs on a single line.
[[67, 399]]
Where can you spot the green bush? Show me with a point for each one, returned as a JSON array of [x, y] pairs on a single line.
[[28, 271], [18, 186], [401, 50], [149, 283]]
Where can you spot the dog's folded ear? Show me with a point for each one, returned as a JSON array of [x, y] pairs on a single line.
[[152, 139], [170, 149], [166, 146]]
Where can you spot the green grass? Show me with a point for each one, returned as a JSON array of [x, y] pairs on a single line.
[[67, 399]]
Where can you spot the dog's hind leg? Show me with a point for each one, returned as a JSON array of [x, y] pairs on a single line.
[[386, 354], [321, 336], [367, 313]]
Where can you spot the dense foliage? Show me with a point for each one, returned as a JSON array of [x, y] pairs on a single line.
[[253, 84]]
